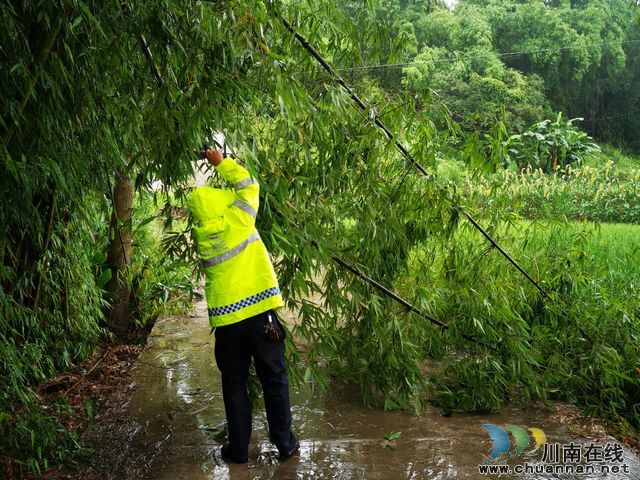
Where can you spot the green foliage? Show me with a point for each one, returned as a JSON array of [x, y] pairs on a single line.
[[161, 285], [489, 151], [621, 160], [581, 347], [390, 437], [40, 441], [475, 86], [76, 109], [545, 145], [551, 145], [478, 384], [598, 287], [82, 103], [586, 53], [602, 194], [579, 57], [62, 330]]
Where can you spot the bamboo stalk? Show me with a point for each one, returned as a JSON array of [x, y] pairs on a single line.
[[47, 240], [403, 150], [42, 58], [391, 294]]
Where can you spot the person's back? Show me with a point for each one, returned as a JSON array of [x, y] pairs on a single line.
[[242, 294]]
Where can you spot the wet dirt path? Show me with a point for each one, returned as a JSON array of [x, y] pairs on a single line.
[[176, 413]]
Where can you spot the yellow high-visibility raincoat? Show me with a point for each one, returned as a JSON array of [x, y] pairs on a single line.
[[239, 278]]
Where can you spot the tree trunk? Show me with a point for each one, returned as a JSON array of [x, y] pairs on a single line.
[[119, 255]]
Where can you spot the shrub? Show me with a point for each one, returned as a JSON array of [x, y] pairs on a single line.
[[551, 145]]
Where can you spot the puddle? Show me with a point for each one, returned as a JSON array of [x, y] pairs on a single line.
[[178, 417]]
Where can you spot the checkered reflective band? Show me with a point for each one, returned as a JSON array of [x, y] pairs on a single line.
[[245, 302]]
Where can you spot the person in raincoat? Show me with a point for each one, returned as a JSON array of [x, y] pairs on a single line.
[[242, 295]]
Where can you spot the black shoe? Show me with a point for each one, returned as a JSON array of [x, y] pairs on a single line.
[[229, 458], [295, 451]]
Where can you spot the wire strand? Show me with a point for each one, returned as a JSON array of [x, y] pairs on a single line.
[[472, 57]]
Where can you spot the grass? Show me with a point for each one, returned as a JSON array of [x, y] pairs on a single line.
[[608, 248], [615, 248]]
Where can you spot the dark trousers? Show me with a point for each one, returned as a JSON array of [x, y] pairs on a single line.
[[235, 345]]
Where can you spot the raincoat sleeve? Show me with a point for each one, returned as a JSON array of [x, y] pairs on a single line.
[[246, 188]]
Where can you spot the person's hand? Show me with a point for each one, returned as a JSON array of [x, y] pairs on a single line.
[[214, 156]]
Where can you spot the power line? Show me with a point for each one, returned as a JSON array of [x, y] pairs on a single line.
[[626, 114], [472, 57], [583, 118]]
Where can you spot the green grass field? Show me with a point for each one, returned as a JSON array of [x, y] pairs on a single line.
[[616, 248]]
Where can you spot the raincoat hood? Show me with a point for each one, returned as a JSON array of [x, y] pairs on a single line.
[[207, 204]]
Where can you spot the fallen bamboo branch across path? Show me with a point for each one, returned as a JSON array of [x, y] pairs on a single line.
[[401, 148], [405, 153], [378, 286]]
